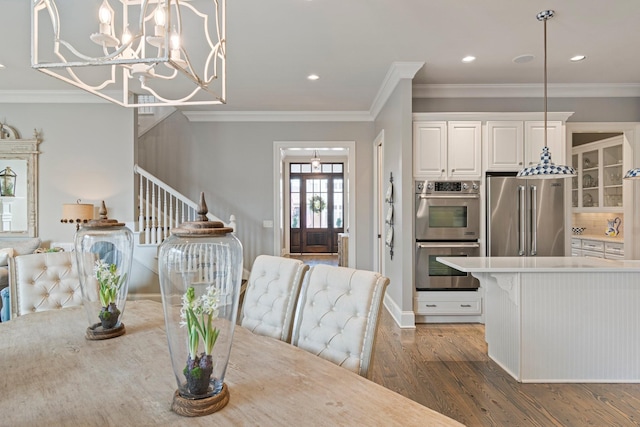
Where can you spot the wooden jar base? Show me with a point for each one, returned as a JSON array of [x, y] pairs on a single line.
[[200, 407], [95, 332]]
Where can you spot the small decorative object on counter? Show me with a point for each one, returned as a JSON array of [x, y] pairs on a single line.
[[200, 269], [578, 230], [613, 227], [104, 251]]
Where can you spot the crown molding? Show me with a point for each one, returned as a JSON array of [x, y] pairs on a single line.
[[484, 116], [397, 72], [278, 116], [49, 97], [573, 90]]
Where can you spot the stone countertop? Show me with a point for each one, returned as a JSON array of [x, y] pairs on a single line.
[[539, 264]]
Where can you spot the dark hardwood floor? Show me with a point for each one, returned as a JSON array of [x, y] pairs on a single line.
[[446, 368]]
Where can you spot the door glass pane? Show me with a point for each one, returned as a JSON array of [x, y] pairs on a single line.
[[317, 212], [295, 203], [337, 203]]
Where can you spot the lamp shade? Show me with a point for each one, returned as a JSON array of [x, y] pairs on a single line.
[[546, 168], [632, 174], [77, 212]]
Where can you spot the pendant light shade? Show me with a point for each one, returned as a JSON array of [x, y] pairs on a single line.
[[632, 174], [315, 162], [546, 168]]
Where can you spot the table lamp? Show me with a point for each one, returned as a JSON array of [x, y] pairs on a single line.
[[77, 213]]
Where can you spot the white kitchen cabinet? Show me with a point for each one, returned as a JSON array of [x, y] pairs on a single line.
[[534, 142], [505, 145], [512, 145], [447, 150], [594, 248], [449, 305], [598, 186]]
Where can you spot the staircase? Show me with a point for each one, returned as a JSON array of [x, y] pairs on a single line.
[[160, 208]]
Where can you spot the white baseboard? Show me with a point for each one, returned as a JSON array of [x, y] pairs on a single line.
[[404, 319]]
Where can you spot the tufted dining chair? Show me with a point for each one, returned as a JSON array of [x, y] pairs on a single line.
[[271, 295], [44, 281], [337, 315]]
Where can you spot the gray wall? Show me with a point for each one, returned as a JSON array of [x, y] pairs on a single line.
[[232, 162], [86, 153], [396, 121]]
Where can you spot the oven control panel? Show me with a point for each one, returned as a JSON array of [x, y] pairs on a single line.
[[447, 187]]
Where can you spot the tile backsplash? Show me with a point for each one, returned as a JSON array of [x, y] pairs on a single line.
[[596, 223]]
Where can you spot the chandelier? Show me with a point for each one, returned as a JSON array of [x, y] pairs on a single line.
[[172, 50]]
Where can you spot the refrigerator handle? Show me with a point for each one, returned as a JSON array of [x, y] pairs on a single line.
[[534, 219], [522, 219]]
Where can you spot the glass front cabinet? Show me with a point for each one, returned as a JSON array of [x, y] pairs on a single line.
[[598, 185]]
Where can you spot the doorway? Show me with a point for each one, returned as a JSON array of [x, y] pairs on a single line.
[[316, 207], [287, 152]]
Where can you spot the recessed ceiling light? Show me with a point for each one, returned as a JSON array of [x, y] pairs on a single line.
[[2, 67], [523, 59], [578, 58], [469, 58], [313, 77]]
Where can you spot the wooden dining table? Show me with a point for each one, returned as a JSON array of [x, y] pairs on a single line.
[[52, 376]]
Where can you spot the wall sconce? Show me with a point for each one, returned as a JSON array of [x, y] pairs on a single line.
[[77, 213], [7, 182]]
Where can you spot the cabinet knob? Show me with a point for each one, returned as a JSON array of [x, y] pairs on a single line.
[[453, 170], [442, 171], [520, 163]]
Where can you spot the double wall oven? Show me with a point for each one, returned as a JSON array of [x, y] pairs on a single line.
[[447, 223]]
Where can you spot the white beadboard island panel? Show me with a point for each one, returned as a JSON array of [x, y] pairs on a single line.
[[561, 319]]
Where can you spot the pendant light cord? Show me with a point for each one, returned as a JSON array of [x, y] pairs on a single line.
[[545, 81]]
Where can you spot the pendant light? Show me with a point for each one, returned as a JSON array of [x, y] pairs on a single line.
[[315, 162], [632, 174], [546, 168]]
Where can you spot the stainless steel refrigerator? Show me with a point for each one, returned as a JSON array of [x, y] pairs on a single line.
[[525, 217]]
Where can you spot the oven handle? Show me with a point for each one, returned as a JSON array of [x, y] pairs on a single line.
[[460, 196], [449, 245]]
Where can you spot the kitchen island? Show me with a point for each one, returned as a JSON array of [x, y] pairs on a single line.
[[560, 319]]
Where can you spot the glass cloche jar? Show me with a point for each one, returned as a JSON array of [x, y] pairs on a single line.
[[104, 251], [200, 269]]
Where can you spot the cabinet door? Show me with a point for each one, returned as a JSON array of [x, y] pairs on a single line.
[[505, 145], [464, 145], [429, 149], [534, 141]]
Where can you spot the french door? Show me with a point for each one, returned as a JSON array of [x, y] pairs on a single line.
[[316, 208]]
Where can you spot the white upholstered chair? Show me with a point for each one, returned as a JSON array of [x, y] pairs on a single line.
[[337, 315], [271, 296], [44, 281]]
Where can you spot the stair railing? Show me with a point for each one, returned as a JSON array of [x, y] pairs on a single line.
[[161, 208]]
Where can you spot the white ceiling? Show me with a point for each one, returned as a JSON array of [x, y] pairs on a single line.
[[351, 44]]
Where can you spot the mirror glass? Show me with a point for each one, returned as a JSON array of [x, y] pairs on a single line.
[[18, 186]]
